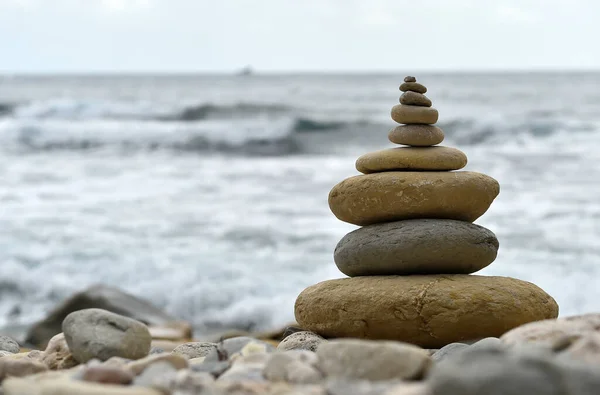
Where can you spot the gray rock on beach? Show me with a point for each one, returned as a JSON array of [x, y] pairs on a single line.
[[237, 347], [297, 366], [195, 349], [100, 334], [552, 332], [304, 340], [8, 344], [416, 246], [100, 297], [512, 371], [372, 360], [448, 350]]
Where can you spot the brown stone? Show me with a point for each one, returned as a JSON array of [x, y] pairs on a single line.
[[410, 78], [429, 311], [412, 158], [415, 99], [394, 196], [414, 87], [416, 135], [414, 114], [57, 355]]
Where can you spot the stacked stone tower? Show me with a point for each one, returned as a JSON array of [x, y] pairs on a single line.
[[410, 262]]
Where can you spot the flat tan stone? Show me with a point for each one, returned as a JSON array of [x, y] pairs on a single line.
[[57, 355], [394, 196], [429, 311], [412, 158], [413, 86], [416, 135], [415, 99], [414, 114]]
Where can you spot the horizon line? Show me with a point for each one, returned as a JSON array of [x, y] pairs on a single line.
[[258, 72]]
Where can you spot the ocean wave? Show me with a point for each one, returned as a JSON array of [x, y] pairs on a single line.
[[6, 109], [306, 125], [243, 128], [77, 109], [208, 111], [255, 138]]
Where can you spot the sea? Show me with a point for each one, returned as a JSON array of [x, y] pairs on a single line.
[[207, 194]]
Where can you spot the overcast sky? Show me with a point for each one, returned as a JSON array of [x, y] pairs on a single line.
[[297, 35]]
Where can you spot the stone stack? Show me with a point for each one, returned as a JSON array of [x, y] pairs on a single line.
[[410, 262]]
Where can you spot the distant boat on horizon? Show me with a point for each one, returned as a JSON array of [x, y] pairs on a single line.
[[245, 71]]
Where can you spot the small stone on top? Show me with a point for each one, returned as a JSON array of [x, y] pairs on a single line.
[[410, 79]]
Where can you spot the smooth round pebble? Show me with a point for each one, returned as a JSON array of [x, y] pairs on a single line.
[[413, 86], [8, 344], [195, 349], [412, 158], [477, 371], [372, 360], [414, 114], [416, 135], [410, 78], [429, 311], [448, 350], [100, 334], [237, 346], [301, 341], [394, 196], [546, 333], [418, 246], [415, 99]]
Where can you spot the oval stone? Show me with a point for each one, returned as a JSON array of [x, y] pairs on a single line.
[[412, 158], [394, 196], [410, 78], [414, 114], [416, 135], [429, 311], [418, 246], [101, 334], [413, 86], [415, 99]]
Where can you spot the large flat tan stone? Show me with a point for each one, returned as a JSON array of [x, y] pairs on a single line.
[[429, 311], [393, 196]]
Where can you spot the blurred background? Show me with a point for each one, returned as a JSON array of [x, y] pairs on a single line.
[[183, 150]]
